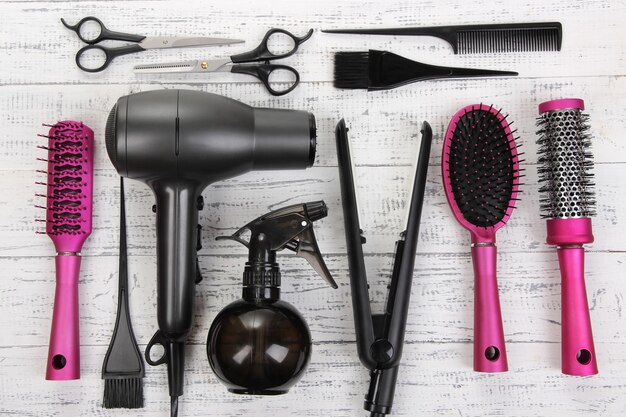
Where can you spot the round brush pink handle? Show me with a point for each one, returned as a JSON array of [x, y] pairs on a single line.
[[578, 356], [64, 351], [489, 348]]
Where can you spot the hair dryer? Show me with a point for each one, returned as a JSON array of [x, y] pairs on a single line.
[[178, 142]]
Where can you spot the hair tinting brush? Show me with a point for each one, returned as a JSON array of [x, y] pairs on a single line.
[[68, 223], [380, 337], [564, 167], [380, 70], [123, 369], [480, 169], [478, 39]]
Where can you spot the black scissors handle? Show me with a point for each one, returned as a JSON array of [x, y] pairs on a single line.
[[104, 34], [262, 52], [109, 55], [263, 73]]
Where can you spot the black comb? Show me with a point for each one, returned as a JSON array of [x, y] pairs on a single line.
[[477, 39], [484, 171]]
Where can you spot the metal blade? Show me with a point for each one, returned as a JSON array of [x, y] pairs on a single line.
[[182, 66], [162, 42]]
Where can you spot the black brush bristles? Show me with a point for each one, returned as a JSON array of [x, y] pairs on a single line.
[[564, 165], [123, 393], [352, 70], [483, 166], [509, 40]]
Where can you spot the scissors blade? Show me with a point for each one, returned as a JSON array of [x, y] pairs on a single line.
[[162, 42], [183, 66]]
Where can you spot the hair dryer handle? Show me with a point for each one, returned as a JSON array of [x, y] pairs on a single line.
[[64, 349], [489, 348], [578, 355], [176, 228]]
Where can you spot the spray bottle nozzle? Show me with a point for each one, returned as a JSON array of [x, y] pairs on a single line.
[[286, 228]]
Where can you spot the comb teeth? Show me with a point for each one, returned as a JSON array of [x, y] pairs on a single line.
[[483, 166], [508, 40], [68, 184], [564, 164], [352, 70]]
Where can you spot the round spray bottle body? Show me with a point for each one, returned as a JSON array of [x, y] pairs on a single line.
[[259, 344]]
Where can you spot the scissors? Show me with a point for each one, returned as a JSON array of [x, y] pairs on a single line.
[[143, 42], [242, 63]]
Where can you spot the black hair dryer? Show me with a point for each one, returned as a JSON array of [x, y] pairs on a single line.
[[260, 344], [178, 142]]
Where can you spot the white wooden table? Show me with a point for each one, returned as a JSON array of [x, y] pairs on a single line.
[[40, 83]]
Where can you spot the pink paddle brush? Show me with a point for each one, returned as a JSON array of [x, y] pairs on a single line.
[[68, 223], [568, 203], [480, 170]]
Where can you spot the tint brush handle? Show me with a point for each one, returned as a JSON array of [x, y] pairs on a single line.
[[578, 355], [64, 349], [489, 347]]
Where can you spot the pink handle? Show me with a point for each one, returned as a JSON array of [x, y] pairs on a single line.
[[578, 356], [64, 350], [489, 348]]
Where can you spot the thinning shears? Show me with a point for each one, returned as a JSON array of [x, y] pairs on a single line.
[[255, 62], [142, 42]]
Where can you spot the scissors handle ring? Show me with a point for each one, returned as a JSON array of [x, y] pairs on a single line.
[[263, 73], [105, 34], [109, 55], [262, 52]]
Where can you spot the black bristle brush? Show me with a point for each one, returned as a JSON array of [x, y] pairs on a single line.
[[381, 70], [123, 368]]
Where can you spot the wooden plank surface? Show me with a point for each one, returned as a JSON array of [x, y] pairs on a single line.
[[40, 83]]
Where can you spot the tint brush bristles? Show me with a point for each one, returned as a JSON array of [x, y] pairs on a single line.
[[352, 70]]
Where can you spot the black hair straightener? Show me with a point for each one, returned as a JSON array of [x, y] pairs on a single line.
[[380, 337]]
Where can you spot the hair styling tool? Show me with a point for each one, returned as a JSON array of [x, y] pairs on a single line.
[[568, 203], [380, 337], [260, 344], [178, 142], [143, 43], [479, 39], [68, 196], [480, 170], [123, 369], [380, 70], [255, 62]]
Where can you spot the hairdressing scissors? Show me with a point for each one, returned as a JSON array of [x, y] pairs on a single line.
[[142, 42], [255, 62]]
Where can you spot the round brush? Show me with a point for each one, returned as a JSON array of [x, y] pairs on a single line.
[[564, 167], [480, 169]]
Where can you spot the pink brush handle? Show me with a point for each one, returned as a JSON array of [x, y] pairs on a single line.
[[578, 356], [64, 350], [489, 348]]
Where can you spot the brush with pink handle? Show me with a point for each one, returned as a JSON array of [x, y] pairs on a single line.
[[564, 167], [68, 223], [480, 169]]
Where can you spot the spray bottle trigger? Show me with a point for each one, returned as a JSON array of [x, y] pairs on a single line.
[[305, 246]]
